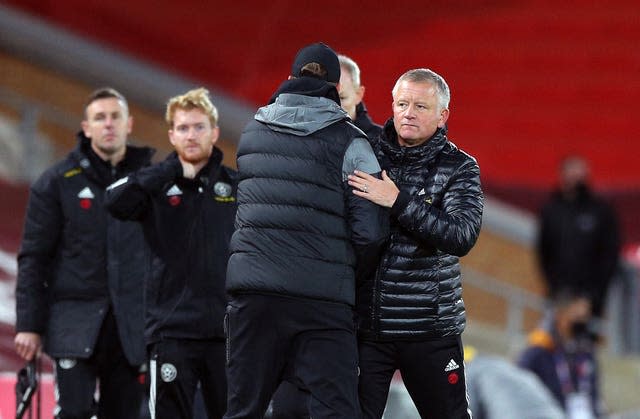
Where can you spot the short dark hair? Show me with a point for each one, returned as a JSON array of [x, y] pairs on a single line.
[[316, 70], [105, 93]]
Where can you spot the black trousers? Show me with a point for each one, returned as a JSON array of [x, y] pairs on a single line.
[[432, 371], [290, 402], [176, 367], [272, 338], [120, 388]]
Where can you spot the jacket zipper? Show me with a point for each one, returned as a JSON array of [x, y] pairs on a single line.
[[376, 294]]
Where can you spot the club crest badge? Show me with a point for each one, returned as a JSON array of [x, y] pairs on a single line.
[[67, 363], [168, 372], [174, 195], [453, 378], [222, 189], [86, 198]]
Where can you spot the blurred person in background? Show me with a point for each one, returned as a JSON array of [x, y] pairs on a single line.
[[351, 95], [79, 292], [186, 205], [578, 241], [411, 313], [561, 353], [498, 389]]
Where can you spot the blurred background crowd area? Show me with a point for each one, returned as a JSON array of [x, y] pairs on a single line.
[[531, 81]]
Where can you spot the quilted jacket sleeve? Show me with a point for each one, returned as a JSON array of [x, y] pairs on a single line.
[[130, 197], [452, 227], [42, 230]]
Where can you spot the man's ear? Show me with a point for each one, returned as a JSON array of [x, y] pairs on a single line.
[[129, 125], [215, 134], [171, 137], [444, 115], [85, 128], [360, 93]]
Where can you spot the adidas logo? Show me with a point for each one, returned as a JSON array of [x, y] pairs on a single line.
[[86, 193], [422, 192], [451, 366], [174, 190]]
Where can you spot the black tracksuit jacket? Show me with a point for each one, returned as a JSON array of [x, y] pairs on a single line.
[[188, 224], [77, 262]]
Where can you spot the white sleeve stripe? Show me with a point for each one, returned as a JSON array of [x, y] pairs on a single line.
[[152, 388], [118, 182]]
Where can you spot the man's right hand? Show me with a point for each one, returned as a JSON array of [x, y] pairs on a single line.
[[27, 344]]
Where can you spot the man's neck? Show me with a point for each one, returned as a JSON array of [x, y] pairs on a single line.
[[190, 170], [198, 166], [113, 159]]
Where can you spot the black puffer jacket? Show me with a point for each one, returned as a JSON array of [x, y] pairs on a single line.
[[77, 262], [300, 231], [417, 290]]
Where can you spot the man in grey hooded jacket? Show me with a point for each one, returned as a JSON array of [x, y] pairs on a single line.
[[302, 241]]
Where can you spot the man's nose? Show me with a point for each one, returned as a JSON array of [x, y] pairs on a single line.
[[192, 133], [409, 112]]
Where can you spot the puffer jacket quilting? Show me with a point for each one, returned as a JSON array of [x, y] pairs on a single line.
[[417, 290]]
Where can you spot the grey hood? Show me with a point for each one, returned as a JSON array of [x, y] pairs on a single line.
[[299, 114]]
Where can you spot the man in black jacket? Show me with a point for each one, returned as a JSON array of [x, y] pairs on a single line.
[[411, 313], [80, 271], [578, 242], [301, 240], [186, 205], [290, 402]]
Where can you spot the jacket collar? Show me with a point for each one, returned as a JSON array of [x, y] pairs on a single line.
[[419, 155], [100, 170], [363, 120], [308, 86], [209, 172]]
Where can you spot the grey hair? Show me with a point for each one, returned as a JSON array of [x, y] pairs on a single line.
[[425, 75], [351, 67]]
